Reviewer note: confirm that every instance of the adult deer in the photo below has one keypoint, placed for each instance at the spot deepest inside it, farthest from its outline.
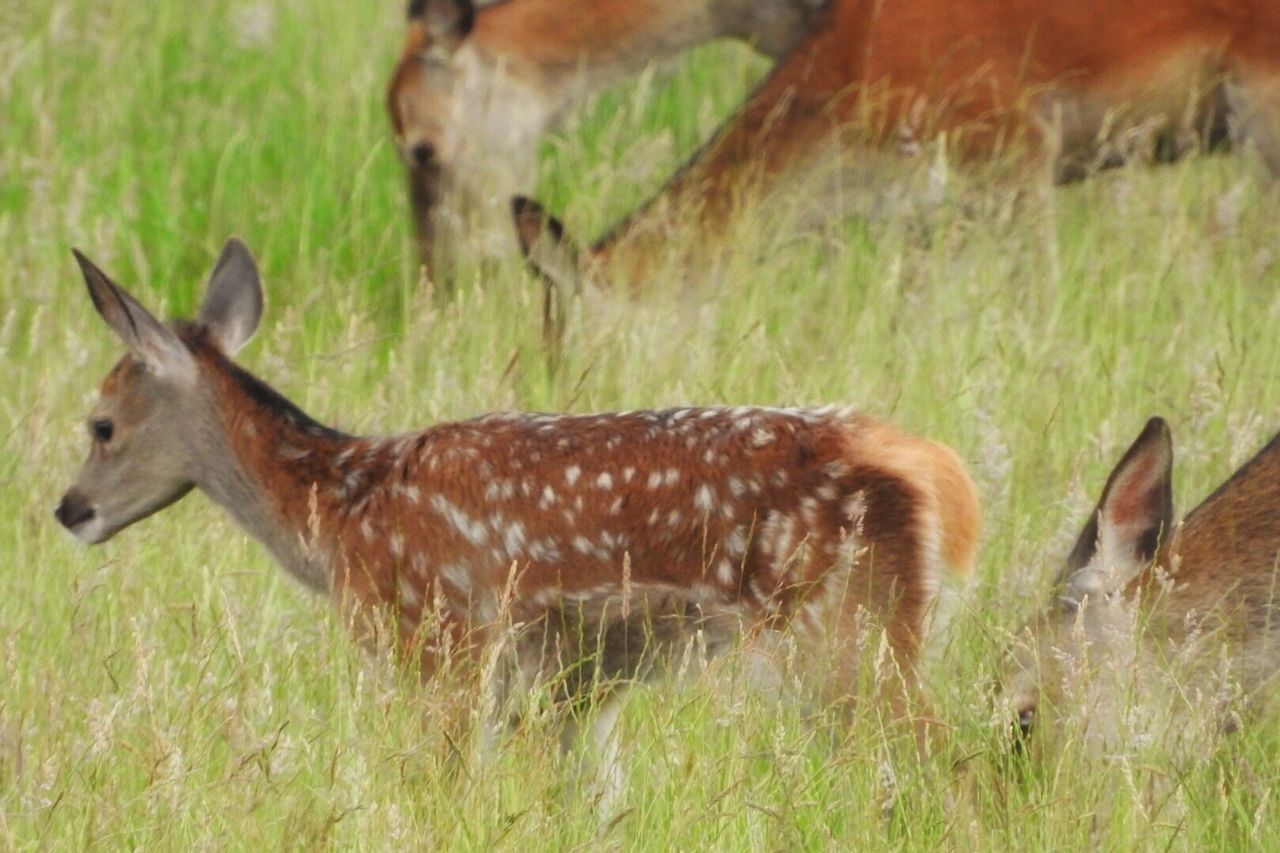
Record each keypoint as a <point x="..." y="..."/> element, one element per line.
<point x="1052" y="84"/>
<point x="475" y="89"/>
<point x="634" y="531"/>
<point x="1140" y="599"/>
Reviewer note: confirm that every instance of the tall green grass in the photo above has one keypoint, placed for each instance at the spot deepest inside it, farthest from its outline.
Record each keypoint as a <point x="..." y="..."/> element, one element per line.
<point x="172" y="689"/>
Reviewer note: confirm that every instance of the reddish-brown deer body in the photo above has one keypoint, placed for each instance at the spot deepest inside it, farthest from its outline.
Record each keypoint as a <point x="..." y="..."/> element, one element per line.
<point x="1141" y="601"/>
<point x="475" y="89"/>
<point x="1078" y="86"/>
<point x="763" y="519"/>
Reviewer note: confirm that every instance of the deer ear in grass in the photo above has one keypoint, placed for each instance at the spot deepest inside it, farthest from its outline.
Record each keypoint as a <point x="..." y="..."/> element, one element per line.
<point x="1125" y="529"/>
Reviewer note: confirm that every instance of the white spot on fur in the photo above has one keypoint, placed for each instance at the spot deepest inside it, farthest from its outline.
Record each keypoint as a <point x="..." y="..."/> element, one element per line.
<point x="672" y="476"/>
<point x="548" y="498"/>
<point x="571" y="474"/>
<point x="604" y="481"/>
<point x="456" y="576"/>
<point x="705" y="498"/>
<point x="655" y="480"/>
<point x="809" y="509"/>
<point x="366" y="529"/>
<point x="855" y="508"/>
<point x="397" y="545"/>
<point x="408" y="592"/>
<point x="724" y="572"/>
<point x="613" y="541"/>
<point x="544" y="550"/>
<point x="628" y="473"/>
<point x="513" y="539"/>
<point x="761" y="437"/>
<point x="473" y="530"/>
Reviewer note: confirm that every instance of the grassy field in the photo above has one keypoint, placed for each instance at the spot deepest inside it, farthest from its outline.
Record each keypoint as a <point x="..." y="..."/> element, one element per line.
<point x="173" y="690"/>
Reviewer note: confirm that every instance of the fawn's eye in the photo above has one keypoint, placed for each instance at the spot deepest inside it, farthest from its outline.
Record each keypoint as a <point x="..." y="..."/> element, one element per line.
<point x="102" y="429"/>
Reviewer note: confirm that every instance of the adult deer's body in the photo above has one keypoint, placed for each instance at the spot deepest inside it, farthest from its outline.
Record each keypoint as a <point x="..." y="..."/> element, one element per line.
<point x="1073" y="86"/>
<point x="475" y="89"/>
<point x="630" y="527"/>
<point x="1140" y="601"/>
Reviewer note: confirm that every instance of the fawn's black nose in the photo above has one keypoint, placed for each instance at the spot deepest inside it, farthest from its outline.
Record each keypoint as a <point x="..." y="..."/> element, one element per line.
<point x="423" y="154"/>
<point x="73" y="510"/>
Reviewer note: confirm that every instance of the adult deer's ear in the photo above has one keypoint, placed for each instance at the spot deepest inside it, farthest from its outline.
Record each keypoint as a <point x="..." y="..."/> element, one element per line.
<point x="232" y="305"/>
<point x="147" y="338"/>
<point x="1125" y="529"/>
<point x="550" y="252"/>
<point x="553" y="257"/>
<point x="446" y="22"/>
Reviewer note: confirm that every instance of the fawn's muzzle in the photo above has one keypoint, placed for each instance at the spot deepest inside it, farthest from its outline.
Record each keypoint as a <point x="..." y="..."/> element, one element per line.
<point x="74" y="510"/>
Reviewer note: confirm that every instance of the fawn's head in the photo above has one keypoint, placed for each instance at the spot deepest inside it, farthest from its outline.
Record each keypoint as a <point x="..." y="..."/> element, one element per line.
<point x="153" y="418"/>
<point x="1085" y="621"/>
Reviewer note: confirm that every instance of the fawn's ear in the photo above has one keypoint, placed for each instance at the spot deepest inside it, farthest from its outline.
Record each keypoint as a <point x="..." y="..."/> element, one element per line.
<point x="147" y="338"/>
<point x="447" y="22"/>
<point x="549" y="251"/>
<point x="232" y="305"/>
<point x="1134" y="513"/>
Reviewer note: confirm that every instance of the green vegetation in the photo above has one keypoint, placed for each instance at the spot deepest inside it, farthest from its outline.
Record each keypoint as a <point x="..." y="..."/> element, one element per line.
<point x="173" y="690"/>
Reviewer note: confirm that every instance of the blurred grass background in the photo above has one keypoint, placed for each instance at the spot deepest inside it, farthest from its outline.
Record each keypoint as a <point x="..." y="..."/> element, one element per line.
<point x="173" y="690"/>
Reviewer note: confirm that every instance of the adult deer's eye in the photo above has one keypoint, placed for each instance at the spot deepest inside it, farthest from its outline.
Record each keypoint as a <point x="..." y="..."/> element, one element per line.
<point x="102" y="430"/>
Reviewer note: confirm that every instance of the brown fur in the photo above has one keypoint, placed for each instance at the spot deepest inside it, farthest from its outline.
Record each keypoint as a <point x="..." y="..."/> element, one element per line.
<point x="1065" y="82"/>
<point x="1223" y="557"/>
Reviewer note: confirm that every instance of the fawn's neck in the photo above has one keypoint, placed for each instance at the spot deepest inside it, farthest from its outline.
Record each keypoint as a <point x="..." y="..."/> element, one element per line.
<point x="288" y="480"/>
